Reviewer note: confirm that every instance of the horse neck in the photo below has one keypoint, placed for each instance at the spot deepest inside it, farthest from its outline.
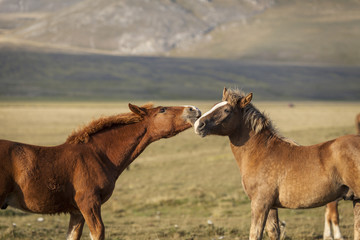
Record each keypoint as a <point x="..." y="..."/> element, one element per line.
<point x="246" y="143"/>
<point x="122" y="144"/>
<point x="241" y="135"/>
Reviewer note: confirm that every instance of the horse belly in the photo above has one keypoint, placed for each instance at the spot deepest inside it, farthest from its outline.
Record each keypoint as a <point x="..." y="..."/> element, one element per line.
<point x="309" y="196"/>
<point x="45" y="202"/>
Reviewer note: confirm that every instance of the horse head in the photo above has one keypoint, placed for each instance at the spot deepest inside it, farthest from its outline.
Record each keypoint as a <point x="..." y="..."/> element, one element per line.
<point x="224" y="117"/>
<point x="164" y="122"/>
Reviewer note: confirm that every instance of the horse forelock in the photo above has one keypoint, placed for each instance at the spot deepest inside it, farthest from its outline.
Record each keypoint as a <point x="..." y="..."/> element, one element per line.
<point x="83" y="134"/>
<point x="232" y="96"/>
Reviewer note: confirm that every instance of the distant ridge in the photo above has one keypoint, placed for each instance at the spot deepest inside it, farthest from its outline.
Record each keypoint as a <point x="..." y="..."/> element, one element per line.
<point x="295" y="32"/>
<point x="43" y="76"/>
<point x="129" y="27"/>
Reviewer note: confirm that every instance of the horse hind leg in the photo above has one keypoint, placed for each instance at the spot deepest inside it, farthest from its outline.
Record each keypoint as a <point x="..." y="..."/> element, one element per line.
<point x="356" y="206"/>
<point x="335" y="225"/>
<point x="327" y="227"/>
<point x="331" y="228"/>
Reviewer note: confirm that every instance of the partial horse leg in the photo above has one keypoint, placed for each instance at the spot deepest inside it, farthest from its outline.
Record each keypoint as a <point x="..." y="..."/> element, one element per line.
<point x="90" y="207"/>
<point x="259" y="213"/>
<point x="332" y="221"/>
<point x="272" y="225"/>
<point x="4" y="190"/>
<point x="327" y="227"/>
<point x="356" y="205"/>
<point x="76" y="225"/>
<point x="335" y="220"/>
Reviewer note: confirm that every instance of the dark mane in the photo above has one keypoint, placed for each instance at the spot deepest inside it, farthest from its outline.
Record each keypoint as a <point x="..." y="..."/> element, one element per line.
<point x="257" y="120"/>
<point x="83" y="134"/>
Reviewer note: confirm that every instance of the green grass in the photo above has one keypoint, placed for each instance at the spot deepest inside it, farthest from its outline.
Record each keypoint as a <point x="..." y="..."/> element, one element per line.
<point x="65" y="77"/>
<point x="177" y="184"/>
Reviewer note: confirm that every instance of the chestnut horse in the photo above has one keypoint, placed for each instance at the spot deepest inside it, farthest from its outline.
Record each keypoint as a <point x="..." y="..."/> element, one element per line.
<point x="78" y="176"/>
<point x="276" y="172"/>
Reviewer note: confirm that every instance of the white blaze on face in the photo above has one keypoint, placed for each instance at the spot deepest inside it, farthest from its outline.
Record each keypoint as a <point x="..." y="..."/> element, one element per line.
<point x="207" y="113"/>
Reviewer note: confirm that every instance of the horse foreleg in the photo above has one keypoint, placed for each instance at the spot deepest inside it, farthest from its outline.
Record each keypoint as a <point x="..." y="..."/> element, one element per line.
<point x="90" y="208"/>
<point x="272" y="225"/>
<point x="259" y="213"/>
<point x="5" y="187"/>
<point x="76" y="225"/>
<point x="356" y="205"/>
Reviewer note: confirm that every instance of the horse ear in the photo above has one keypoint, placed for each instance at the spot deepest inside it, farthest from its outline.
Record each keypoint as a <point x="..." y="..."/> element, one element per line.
<point x="224" y="93"/>
<point x="246" y="100"/>
<point x="137" y="110"/>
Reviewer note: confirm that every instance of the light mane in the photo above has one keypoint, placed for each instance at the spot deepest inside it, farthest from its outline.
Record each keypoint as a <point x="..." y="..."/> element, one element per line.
<point x="257" y="120"/>
<point x="83" y="134"/>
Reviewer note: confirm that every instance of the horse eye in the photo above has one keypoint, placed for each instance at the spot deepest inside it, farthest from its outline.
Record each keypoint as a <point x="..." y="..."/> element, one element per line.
<point x="226" y="110"/>
<point x="162" y="110"/>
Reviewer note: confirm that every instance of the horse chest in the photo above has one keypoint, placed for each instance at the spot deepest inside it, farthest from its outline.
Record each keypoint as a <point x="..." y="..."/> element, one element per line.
<point x="250" y="186"/>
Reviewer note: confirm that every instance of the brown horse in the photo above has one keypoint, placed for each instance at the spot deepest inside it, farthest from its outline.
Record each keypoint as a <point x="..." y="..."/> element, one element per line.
<point x="78" y="176"/>
<point x="276" y="172"/>
<point x="357" y="123"/>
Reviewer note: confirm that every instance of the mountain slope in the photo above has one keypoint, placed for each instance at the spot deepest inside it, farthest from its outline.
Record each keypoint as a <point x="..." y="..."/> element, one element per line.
<point x="136" y="26"/>
<point x="296" y="31"/>
<point x="321" y="32"/>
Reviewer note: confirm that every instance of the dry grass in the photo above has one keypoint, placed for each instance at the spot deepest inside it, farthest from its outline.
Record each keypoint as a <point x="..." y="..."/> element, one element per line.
<point x="302" y="32"/>
<point x="177" y="184"/>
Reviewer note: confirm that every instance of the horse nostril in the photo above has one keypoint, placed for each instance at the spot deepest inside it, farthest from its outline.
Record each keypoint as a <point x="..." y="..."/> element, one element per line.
<point x="201" y="125"/>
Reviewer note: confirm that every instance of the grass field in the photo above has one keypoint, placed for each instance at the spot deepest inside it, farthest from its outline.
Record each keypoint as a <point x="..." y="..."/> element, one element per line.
<point x="177" y="184"/>
<point x="41" y="76"/>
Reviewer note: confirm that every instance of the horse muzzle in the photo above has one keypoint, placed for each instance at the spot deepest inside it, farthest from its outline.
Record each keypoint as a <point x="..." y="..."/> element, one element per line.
<point x="192" y="114"/>
<point x="200" y="127"/>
